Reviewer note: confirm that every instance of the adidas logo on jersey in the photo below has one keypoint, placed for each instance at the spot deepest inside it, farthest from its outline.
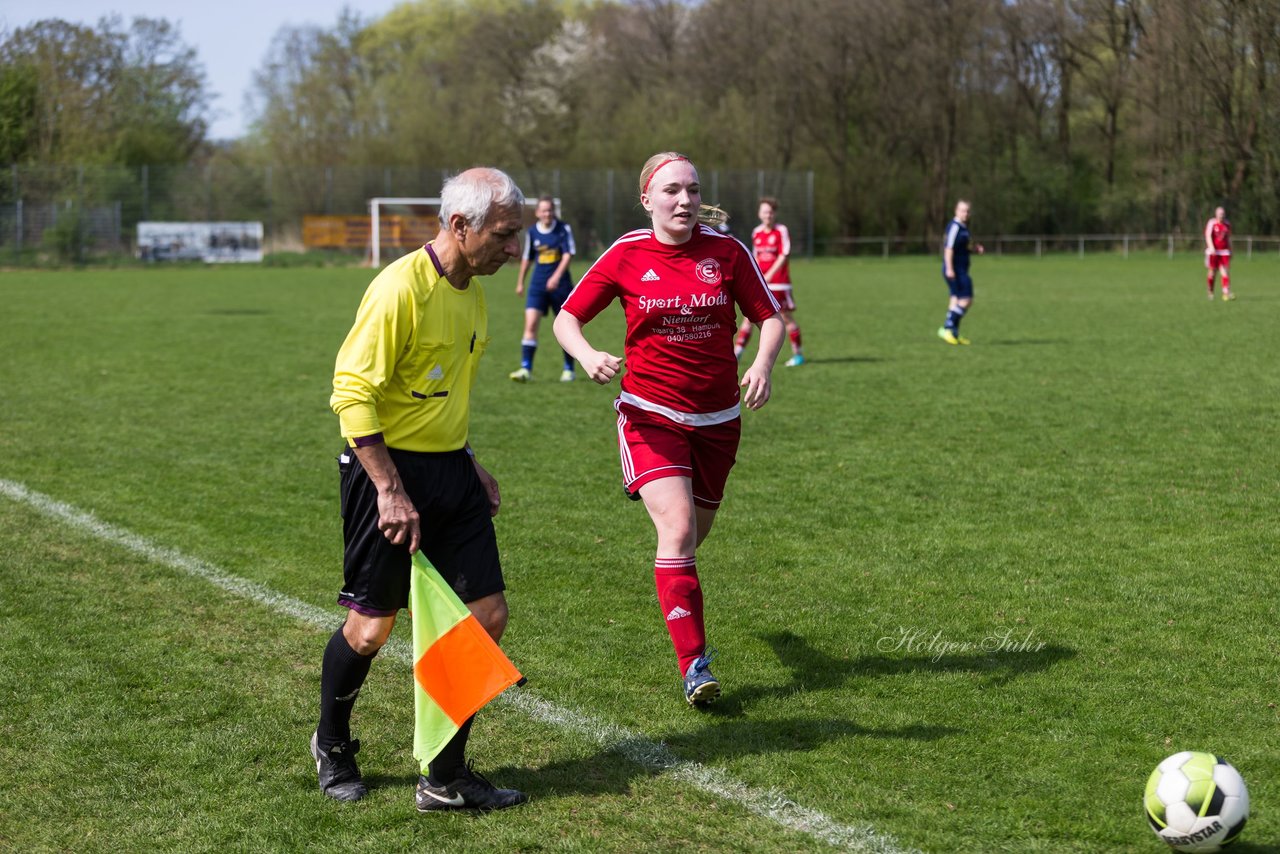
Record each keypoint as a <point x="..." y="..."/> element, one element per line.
<point x="649" y="276"/>
<point x="677" y="612"/>
<point x="436" y="373"/>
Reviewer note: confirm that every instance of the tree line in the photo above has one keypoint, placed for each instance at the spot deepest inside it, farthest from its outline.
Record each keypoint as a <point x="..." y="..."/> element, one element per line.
<point x="1052" y="116"/>
<point x="107" y="94"/>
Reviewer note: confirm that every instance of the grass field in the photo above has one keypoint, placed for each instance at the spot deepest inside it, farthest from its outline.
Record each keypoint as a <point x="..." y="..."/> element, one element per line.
<point x="968" y="597"/>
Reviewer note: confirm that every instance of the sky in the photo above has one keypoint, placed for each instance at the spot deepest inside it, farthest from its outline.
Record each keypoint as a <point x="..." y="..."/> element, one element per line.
<point x="231" y="37"/>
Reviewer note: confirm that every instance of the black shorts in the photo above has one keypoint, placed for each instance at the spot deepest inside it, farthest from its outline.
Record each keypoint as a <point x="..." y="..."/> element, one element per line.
<point x="453" y="515"/>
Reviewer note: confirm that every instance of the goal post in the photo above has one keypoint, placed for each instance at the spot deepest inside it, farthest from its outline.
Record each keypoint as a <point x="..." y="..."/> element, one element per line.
<point x="388" y="216"/>
<point x="402" y="223"/>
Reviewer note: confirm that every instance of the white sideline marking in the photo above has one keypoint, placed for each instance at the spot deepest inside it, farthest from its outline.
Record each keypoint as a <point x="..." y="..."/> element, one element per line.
<point x="648" y="754"/>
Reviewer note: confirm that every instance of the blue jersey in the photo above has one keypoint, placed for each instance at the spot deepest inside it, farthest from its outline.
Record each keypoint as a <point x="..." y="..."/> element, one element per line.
<point x="545" y="249"/>
<point x="957" y="240"/>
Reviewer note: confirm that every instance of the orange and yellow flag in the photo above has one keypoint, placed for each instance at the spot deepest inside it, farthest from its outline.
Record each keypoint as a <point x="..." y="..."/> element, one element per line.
<point x="457" y="668"/>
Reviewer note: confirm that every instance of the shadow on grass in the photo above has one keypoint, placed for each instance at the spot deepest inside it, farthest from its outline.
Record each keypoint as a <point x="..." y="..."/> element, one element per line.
<point x="604" y="773"/>
<point x="730" y="734"/>
<point x="814" y="670"/>
<point x="733" y="739"/>
<point x="614" y="769"/>
<point x="387" y="781"/>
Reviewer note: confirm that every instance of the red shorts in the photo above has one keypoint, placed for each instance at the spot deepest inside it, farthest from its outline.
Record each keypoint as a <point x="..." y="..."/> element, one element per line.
<point x="1215" y="261"/>
<point x="653" y="447"/>
<point x="783" y="296"/>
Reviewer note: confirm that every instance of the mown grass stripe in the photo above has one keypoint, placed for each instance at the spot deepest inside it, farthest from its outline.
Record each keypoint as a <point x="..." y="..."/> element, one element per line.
<point x="648" y="754"/>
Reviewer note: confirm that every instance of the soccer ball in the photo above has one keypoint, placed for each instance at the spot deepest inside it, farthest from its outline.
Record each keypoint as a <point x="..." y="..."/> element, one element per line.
<point x="1196" y="801"/>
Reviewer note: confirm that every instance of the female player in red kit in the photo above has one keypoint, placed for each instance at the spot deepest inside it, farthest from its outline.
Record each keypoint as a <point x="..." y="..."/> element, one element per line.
<point x="1217" y="251"/>
<point x="771" y="243"/>
<point x="678" y="410"/>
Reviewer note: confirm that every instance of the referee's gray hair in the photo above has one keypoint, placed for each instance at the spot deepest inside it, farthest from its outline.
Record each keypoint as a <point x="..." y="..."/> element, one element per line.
<point x="476" y="193"/>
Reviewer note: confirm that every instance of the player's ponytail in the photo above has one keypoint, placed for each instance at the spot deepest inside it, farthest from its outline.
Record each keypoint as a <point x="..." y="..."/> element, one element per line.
<point x="712" y="215"/>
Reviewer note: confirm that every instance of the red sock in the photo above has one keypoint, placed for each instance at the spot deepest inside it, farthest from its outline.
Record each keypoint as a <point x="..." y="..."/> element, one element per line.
<point x="1226" y="283"/>
<point x="1211" y="283"/>
<point x="680" y="597"/>
<point x="743" y="336"/>
<point x="795" y="338"/>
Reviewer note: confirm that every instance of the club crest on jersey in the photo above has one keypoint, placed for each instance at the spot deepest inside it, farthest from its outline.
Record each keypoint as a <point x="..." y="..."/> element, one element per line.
<point x="708" y="271"/>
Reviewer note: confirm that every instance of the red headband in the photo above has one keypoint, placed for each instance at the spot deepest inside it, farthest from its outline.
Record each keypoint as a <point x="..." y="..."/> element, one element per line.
<point x="660" y="165"/>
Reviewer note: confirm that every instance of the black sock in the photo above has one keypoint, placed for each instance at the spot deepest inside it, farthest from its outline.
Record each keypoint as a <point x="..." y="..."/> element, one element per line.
<point x="450" y="761"/>
<point x="342" y="673"/>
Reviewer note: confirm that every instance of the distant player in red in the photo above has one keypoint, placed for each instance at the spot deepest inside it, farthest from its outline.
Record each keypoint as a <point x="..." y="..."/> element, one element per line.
<point x="771" y="244"/>
<point x="678" y="412"/>
<point x="1217" y="251"/>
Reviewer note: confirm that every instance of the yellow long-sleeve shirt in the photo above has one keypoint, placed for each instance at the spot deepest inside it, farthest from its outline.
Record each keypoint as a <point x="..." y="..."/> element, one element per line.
<point x="409" y="362"/>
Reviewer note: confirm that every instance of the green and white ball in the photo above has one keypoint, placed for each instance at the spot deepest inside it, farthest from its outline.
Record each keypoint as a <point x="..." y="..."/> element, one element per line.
<point x="1196" y="801"/>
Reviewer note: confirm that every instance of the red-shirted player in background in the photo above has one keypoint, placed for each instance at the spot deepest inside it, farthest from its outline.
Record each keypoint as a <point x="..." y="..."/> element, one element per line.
<point x="1217" y="251"/>
<point x="771" y="243"/>
<point x="678" y="411"/>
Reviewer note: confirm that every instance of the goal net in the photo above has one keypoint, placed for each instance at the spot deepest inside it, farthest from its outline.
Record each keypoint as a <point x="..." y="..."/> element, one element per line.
<point x="399" y="225"/>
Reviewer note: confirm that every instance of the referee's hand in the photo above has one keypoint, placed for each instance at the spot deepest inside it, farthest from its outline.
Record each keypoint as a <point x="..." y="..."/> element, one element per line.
<point x="490" y="484"/>
<point x="397" y="519"/>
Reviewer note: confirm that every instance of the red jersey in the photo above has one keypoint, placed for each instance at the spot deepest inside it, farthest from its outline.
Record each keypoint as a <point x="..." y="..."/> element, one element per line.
<point x="679" y="305"/>
<point x="1218" y="235"/>
<point x="768" y="245"/>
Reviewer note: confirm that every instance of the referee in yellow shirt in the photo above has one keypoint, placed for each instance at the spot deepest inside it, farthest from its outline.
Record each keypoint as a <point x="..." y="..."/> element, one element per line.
<point x="402" y="392"/>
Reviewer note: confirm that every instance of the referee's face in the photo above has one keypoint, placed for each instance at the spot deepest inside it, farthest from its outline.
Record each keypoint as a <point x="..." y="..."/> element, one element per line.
<point x="488" y="248"/>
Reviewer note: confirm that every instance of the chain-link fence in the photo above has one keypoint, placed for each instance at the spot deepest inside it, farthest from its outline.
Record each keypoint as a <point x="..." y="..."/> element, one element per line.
<point x="65" y="229"/>
<point x="1244" y="246"/>
<point x="82" y="212"/>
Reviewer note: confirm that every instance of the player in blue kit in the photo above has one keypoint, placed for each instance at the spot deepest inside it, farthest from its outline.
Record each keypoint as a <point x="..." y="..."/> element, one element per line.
<point x="955" y="269"/>
<point x="548" y="247"/>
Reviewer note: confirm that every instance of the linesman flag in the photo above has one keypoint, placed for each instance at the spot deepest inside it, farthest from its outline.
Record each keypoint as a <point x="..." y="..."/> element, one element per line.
<point x="457" y="668"/>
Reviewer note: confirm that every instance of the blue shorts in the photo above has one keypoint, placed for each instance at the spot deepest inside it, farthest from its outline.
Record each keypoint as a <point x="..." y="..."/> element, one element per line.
<point x="542" y="300"/>
<point x="961" y="286"/>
